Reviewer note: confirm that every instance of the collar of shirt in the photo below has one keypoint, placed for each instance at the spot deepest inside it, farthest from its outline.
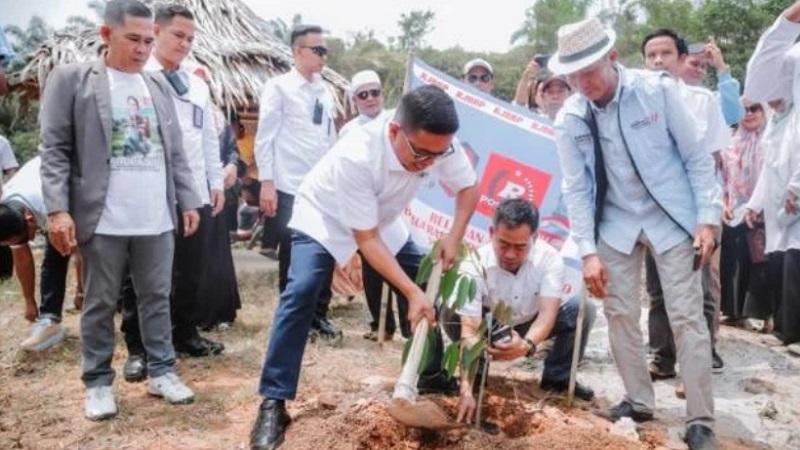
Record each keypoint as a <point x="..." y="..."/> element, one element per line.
<point x="315" y="84"/>
<point x="621" y="81"/>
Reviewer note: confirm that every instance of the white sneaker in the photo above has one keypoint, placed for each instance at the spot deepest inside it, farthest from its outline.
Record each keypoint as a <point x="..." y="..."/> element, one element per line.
<point x="46" y="333"/>
<point x="100" y="403"/>
<point x="171" y="388"/>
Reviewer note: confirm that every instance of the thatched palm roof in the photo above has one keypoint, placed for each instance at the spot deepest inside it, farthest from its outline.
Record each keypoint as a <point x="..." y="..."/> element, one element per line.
<point x="232" y="42"/>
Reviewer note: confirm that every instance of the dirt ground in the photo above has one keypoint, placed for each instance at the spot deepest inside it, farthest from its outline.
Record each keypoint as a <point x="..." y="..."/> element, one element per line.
<point x="344" y="391"/>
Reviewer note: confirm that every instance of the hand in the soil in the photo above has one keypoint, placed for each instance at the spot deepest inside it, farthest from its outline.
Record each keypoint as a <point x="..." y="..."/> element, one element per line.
<point x="466" y="408"/>
<point x="595" y="276"/>
<point x="31" y="312"/>
<point x="509" y="351"/>
<point x="419" y="307"/>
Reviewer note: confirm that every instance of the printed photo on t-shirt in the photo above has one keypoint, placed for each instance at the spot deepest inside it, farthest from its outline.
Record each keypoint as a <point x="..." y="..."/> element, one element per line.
<point x="136" y="143"/>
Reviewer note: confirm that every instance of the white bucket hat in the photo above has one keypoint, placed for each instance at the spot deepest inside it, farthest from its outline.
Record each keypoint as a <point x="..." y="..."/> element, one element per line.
<point x="581" y="44"/>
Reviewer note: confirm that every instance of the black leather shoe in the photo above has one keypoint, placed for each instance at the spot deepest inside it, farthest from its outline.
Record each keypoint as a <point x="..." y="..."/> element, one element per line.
<point x="581" y="391"/>
<point x="270" y="426"/>
<point x="717" y="365"/>
<point x="135" y="368"/>
<point x="438" y="384"/>
<point x="625" y="409"/>
<point x="197" y="346"/>
<point x="214" y="347"/>
<point x="322" y="328"/>
<point x="700" y="437"/>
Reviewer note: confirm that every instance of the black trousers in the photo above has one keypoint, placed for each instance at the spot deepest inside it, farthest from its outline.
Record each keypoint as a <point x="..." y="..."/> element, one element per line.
<point x="409" y="258"/>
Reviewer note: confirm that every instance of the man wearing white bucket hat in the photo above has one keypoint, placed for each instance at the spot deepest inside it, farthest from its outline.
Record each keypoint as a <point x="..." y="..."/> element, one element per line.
<point x="637" y="176"/>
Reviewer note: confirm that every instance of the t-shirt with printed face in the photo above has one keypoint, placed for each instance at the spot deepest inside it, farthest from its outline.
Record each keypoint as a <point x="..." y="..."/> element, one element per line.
<point x="136" y="200"/>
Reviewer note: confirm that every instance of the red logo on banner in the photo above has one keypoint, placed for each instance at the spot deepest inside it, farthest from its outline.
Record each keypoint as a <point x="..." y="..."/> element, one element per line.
<point x="506" y="178"/>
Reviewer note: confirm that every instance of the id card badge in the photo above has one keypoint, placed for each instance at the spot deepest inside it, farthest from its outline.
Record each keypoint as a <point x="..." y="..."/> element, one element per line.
<point x="198" y="116"/>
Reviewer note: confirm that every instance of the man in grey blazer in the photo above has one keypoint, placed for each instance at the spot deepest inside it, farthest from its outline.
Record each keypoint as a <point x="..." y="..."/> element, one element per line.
<point x="113" y="171"/>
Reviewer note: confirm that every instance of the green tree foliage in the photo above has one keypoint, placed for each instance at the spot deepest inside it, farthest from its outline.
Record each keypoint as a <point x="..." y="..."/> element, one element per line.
<point x="414" y="26"/>
<point x="543" y="19"/>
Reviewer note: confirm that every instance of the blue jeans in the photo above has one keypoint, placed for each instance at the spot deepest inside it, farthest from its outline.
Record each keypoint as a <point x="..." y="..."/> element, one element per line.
<point x="310" y="271"/>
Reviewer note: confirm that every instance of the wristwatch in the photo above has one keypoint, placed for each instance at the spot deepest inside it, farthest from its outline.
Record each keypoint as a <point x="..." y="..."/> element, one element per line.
<point x="531" y="348"/>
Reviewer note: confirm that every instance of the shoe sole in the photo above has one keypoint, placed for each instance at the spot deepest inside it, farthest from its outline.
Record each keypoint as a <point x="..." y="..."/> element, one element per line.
<point x="47" y="343"/>
<point x="186" y="401"/>
<point x="717" y="370"/>
<point x="102" y="417"/>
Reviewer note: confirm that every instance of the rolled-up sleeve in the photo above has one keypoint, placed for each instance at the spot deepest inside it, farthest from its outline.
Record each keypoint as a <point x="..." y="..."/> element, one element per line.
<point x="455" y="170"/>
<point x="269" y="124"/>
<point x="577" y="186"/>
<point x="698" y="162"/>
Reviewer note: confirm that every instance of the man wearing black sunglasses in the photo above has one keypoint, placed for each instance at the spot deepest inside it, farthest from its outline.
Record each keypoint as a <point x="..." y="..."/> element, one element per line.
<point x="353" y="201"/>
<point x="295" y="129"/>
<point x="367" y="93"/>
<point x="479" y="74"/>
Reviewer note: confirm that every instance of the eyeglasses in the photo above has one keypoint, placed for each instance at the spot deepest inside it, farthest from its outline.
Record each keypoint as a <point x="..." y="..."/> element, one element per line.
<point x="425" y="155"/>
<point x="319" y="50"/>
<point x="472" y="78"/>
<point x="752" y="109"/>
<point x="363" y="95"/>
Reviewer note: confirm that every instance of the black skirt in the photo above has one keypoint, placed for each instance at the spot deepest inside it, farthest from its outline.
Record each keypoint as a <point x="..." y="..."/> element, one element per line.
<point x="746" y="288"/>
<point x="787" y="305"/>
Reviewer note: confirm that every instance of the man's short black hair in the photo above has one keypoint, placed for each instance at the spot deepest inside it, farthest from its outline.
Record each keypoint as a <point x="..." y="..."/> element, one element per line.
<point x="302" y="30"/>
<point x="165" y="13"/>
<point x="427" y="108"/>
<point x="12" y="223"/>
<point x="515" y="212"/>
<point x="116" y="10"/>
<point x="680" y="43"/>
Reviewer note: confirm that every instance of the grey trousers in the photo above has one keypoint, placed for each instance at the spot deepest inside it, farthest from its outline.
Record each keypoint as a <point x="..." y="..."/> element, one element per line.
<point x="662" y="342"/>
<point x="104" y="261"/>
<point x="684" y="304"/>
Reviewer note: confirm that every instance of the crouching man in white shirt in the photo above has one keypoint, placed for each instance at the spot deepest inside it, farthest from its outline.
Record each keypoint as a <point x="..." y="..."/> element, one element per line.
<point x="527" y="274"/>
<point x="352" y="200"/>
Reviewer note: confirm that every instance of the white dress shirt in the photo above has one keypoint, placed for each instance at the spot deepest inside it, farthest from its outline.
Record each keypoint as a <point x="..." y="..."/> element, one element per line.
<point x="200" y="138"/>
<point x="709" y="120"/>
<point x="541" y="275"/>
<point x="361" y="119"/>
<point x="288" y="142"/>
<point x="773" y="72"/>
<point x="360" y="185"/>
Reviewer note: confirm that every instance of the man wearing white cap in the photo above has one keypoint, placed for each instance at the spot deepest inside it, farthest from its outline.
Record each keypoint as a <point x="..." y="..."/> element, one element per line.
<point x="368" y="98"/>
<point x="636" y="177"/>
<point x="479" y="73"/>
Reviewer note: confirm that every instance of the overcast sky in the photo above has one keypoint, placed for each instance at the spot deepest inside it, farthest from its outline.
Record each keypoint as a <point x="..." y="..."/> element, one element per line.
<point x="483" y="26"/>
